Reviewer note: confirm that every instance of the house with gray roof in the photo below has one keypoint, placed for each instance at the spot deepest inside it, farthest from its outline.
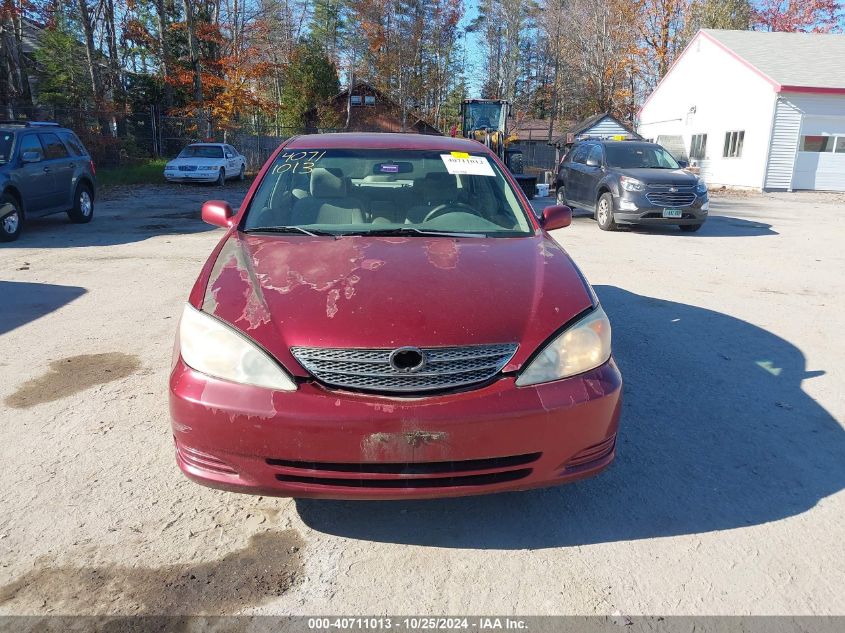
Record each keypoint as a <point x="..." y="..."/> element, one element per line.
<point x="755" y="110"/>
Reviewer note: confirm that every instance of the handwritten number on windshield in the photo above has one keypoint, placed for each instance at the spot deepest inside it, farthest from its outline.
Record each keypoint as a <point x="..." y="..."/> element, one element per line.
<point x="298" y="162"/>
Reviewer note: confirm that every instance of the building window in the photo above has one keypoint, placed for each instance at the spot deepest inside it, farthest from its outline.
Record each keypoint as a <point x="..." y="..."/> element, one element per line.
<point x="355" y="100"/>
<point x="369" y="100"/>
<point x="817" y="143"/>
<point x="698" y="146"/>
<point x="733" y="144"/>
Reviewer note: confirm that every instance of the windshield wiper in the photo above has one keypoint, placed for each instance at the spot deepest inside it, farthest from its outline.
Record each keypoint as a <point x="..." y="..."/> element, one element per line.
<point x="289" y="229"/>
<point x="414" y="231"/>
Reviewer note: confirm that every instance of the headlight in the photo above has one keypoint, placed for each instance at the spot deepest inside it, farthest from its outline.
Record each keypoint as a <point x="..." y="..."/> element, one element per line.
<point x="701" y="188"/>
<point x="632" y="184"/>
<point x="583" y="346"/>
<point x="218" y="350"/>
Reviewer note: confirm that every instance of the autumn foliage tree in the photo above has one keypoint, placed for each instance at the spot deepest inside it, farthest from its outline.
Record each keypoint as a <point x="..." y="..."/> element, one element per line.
<point x="821" y="16"/>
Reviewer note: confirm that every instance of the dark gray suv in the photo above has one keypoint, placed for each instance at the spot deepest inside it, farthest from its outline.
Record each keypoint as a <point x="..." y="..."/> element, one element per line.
<point x="631" y="182"/>
<point x="44" y="169"/>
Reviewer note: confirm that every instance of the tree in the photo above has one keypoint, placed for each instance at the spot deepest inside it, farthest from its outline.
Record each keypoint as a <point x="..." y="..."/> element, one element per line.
<point x="64" y="78"/>
<point x="309" y="79"/>
<point x="720" y="14"/>
<point x="661" y="24"/>
<point x="820" y="16"/>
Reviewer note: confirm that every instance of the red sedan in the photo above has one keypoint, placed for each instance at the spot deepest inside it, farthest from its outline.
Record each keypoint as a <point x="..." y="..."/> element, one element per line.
<point x="386" y="318"/>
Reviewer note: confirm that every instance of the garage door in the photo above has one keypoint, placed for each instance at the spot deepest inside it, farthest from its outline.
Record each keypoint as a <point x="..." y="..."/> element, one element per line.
<point x="820" y="161"/>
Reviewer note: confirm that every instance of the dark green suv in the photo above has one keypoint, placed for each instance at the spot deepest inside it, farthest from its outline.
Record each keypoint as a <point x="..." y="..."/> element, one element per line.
<point x="44" y="169"/>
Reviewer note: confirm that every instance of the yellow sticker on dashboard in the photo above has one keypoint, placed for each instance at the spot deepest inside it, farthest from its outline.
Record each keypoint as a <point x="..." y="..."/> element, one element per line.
<point x="460" y="154"/>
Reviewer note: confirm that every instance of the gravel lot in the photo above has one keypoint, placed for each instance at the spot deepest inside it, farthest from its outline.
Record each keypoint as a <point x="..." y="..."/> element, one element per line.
<point x="726" y="497"/>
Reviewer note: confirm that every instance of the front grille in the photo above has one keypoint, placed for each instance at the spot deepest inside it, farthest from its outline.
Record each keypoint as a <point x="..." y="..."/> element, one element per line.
<point x="187" y="167"/>
<point x="370" y="369"/>
<point x="407" y="475"/>
<point x="661" y="196"/>
<point x="415" y="468"/>
<point x="441" y="482"/>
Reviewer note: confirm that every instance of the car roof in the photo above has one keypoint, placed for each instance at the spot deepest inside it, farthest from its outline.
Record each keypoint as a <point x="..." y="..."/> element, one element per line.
<point x="207" y="144"/>
<point x="16" y="127"/>
<point x="629" y="143"/>
<point x="383" y="140"/>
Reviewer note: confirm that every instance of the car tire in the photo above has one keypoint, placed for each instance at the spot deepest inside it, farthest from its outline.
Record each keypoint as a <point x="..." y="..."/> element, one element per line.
<point x="690" y="228"/>
<point x="604" y="213"/>
<point x="221" y="178"/>
<point x="83" y="205"/>
<point x="560" y="196"/>
<point x="11" y="218"/>
<point x="242" y="174"/>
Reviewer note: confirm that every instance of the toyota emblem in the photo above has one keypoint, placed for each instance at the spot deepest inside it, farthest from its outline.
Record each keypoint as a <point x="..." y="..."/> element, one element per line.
<point x="407" y="360"/>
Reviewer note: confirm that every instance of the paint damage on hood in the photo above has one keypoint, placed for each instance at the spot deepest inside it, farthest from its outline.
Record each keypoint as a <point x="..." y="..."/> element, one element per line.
<point x="384" y="292"/>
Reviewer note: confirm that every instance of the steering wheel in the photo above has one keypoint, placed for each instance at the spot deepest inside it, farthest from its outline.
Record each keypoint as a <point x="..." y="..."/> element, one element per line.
<point x="446" y="207"/>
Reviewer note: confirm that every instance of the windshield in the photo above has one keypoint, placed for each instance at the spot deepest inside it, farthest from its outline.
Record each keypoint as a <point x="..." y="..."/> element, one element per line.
<point x="7" y="146"/>
<point x="411" y="192"/>
<point x="639" y="156"/>
<point x="482" y="115"/>
<point x="201" y="151"/>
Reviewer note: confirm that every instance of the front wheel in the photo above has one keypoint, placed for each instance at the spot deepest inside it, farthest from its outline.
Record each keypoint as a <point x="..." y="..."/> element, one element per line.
<point x="604" y="213"/>
<point x="242" y="174"/>
<point x="11" y="218"/>
<point x="221" y="178"/>
<point x="560" y="196"/>
<point x="83" y="205"/>
<point x="690" y="228"/>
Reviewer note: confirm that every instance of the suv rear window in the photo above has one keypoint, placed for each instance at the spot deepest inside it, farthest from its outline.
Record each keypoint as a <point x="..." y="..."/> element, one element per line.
<point x="74" y="144"/>
<point x="53" y="146"/>
<point x="7" y="146"/>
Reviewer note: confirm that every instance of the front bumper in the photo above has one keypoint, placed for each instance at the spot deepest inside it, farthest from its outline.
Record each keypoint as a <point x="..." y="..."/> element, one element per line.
<point x="191" y="176"/>
<point x="632" y="207"/>
<point x="317" y="442"/>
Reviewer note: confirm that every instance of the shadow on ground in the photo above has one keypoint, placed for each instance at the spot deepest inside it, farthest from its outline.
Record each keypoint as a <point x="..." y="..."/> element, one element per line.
<point x="22" y="302"/>
<point x="131" y="213"/>
<point x="716" y="434"/>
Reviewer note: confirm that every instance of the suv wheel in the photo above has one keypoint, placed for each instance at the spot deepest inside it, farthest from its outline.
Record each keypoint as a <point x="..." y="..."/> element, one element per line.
<point x="560" y="196"/>
<point x="604" y="213"/>
<point x="11" y="218"/>
<point x="83" y="205"/>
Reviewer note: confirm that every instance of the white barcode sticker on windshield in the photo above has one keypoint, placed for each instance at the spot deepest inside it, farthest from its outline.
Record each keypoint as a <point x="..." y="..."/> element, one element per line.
<point x="460" y="163"/>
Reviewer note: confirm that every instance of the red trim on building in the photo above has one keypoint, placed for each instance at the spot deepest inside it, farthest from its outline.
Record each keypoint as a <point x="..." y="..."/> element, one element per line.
<point x="812" y="89"/>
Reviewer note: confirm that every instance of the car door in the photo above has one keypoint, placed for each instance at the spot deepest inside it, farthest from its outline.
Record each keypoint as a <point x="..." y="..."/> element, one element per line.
<point x="61" y="164"/>
<point x="34" y="179"/>
<point x="575" y="174"/>
<point x="233" y="165"/>
<point x="592" y="174"/>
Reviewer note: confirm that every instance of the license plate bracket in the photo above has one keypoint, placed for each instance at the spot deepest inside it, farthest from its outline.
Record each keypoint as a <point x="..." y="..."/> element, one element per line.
<point x="672" y="213"/>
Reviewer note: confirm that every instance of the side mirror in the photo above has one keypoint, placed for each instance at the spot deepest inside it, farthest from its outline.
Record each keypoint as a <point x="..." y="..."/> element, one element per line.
<point x="217" y="213"/>
<point x="556" y="217"/>
<point x="31" y="157"/>
<point x="683" y="164"/>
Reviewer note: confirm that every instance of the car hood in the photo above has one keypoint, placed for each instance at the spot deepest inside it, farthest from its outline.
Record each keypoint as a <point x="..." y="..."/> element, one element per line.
<point x="387" y="292"/>
<point x="661" y="176"/>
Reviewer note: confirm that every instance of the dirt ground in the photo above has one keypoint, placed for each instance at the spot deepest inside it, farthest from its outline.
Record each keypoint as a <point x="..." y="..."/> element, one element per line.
<point x="726" y="496"/>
